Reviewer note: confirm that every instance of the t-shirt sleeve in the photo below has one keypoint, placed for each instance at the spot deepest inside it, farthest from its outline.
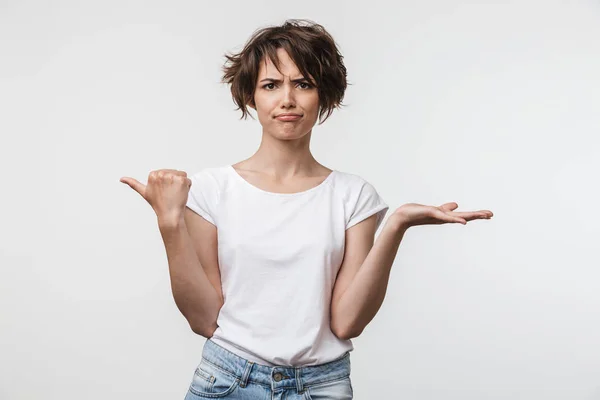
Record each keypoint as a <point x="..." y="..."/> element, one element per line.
<point x="364" y="202"/>
<point x="203" y="196"/>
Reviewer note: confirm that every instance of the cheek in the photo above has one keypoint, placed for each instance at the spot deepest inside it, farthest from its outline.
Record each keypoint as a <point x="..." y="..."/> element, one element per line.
<point x="314" y="108"/>
<point x="265" y="104"/>
<point x="314" y="101"/>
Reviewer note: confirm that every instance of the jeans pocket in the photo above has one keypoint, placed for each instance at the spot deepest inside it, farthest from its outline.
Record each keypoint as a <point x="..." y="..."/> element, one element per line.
<point x="209" y="381"/>
<point x="339" y="389"/>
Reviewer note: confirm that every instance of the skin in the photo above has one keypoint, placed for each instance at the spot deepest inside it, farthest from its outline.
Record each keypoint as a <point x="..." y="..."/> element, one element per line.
<point x="283" y="158"/>
<point x="284" y="163"/>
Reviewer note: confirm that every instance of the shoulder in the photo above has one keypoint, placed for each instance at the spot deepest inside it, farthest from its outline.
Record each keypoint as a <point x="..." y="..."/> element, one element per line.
<point x="210" y="180"/>
<point x="350" y="184"/>
<point x="361" y="199"/>
<point x="212" y="175"/>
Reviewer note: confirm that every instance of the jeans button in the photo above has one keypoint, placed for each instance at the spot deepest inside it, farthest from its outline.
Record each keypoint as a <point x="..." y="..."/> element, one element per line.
<point x="277" y="377"/>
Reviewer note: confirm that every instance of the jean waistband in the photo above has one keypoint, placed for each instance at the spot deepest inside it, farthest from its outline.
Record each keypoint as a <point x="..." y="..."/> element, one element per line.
<point x="277" y="376"/>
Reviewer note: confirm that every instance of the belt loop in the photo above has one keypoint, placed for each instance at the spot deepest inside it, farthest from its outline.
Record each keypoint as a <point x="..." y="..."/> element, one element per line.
<point x="246" y="373"/>
<point x="299" y="385"/>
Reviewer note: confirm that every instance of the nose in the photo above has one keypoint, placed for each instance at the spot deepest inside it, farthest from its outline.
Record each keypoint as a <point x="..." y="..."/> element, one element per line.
<point x="288" y="97"/>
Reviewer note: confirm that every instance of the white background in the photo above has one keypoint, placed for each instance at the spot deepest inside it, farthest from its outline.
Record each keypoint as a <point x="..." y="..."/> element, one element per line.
<point x="493" y="105"/>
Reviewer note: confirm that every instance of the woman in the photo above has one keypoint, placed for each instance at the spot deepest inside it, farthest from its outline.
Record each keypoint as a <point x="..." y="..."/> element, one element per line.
<point x="273" y="258"/>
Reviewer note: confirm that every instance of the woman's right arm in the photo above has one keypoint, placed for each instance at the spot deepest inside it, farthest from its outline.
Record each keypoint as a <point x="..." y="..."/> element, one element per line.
<point x="191" y="245"/>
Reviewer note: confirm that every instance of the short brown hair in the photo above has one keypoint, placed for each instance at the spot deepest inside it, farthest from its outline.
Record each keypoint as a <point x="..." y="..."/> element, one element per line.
<point x="308" y="44"/>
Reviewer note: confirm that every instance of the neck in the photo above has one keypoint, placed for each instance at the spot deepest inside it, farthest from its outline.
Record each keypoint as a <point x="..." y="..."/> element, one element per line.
<point x="284" y="159"/>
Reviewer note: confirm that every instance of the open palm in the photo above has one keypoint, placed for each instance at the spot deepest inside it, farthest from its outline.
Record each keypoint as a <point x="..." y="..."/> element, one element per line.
<point x="414" y="214"/>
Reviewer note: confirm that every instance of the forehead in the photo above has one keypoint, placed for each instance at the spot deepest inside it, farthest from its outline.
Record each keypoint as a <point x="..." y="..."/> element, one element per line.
<point x="286" y="66"/>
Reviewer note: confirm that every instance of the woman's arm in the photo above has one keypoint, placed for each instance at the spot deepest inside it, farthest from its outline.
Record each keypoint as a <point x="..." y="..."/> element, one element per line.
<point x="363" y="277"/>
<point x="362" y="280"/>
<point x="194" y="294"/>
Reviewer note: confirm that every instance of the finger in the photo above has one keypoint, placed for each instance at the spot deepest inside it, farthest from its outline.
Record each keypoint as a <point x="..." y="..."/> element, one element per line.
<point x="467" y="214"/>
<point x="175" y="171"/>
<point x="450" y="217"/>
<point x="470" y="215"/>
<point x="135" y="185"/>
<point x="449" y="206"/>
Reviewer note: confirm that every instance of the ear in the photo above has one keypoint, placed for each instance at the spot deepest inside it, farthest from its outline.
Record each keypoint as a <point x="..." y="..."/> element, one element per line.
<point x="252" y="105"/>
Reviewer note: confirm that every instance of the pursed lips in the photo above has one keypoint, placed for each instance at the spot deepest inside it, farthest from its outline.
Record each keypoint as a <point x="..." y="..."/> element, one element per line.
<point x="288" y="117"/>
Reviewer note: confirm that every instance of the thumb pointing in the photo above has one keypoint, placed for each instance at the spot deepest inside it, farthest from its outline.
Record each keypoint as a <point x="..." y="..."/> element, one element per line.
<point x="134" y="184"/>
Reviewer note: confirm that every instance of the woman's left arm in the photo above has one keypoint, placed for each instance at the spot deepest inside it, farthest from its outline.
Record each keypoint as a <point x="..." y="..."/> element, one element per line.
<point x="363" y="277"/>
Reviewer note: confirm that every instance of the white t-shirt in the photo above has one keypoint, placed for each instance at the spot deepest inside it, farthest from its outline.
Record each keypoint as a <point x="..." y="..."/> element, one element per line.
<point x="279" y="255"/>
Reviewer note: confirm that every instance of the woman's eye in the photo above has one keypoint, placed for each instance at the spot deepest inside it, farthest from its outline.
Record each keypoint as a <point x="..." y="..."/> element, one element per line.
<point x="272" y="85"/>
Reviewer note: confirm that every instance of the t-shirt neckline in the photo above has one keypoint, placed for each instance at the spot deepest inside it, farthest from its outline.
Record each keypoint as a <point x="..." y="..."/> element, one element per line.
<point x="244" y="181"/>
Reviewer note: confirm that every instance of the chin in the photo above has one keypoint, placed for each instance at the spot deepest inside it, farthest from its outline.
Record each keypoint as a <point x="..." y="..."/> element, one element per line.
<point x="283" y="136"/>
<point x="288" y="134"/>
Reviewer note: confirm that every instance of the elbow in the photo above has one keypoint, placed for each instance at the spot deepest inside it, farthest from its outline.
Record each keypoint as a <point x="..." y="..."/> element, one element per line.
<point x="343" y="334"/>
<point x="346" y="335"/>
<point x="203" y="330"/>
<point x="198" y="330"/>
<point x="339" y="330"/>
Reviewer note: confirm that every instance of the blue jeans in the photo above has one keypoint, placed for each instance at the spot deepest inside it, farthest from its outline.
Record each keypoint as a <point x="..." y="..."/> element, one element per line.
<point x="224" y="375"/>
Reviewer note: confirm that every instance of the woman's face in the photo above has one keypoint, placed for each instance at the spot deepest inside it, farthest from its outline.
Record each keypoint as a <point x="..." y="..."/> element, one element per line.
<point x="284" y="92"/>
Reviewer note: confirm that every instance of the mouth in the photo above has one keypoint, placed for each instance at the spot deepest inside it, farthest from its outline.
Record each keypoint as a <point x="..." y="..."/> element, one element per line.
<point x="288" y="117"/>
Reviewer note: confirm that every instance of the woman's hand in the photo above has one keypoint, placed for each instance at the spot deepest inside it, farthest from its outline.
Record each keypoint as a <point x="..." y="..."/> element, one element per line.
<point x="413" y="214"/>
<point x="167" y="192"/>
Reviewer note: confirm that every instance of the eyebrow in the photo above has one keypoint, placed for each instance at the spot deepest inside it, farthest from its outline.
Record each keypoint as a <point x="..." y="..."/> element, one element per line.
<point x="279" y="80"/>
